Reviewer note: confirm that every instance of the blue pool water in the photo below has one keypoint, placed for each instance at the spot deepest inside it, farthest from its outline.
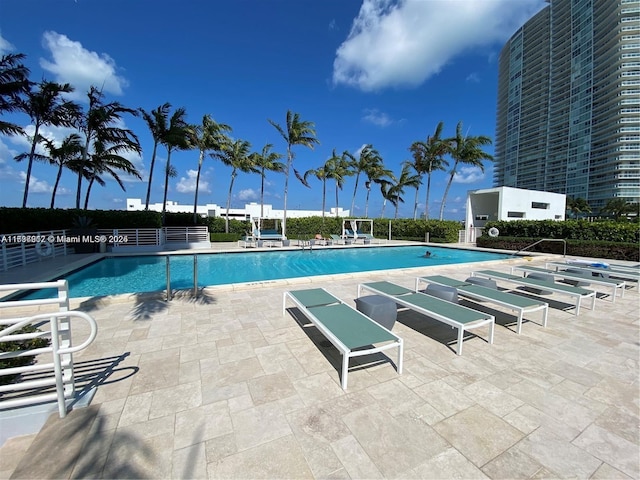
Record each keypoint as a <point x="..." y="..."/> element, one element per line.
<point x="116" y="275"/>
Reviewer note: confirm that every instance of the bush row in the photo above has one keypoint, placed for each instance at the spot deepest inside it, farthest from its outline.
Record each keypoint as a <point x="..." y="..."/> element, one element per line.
<point x="580" y="248"/>
<point x="570" y="229"/>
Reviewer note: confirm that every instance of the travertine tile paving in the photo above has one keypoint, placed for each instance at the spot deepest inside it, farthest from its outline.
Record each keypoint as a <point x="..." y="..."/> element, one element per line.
<point x="225" y="386"/>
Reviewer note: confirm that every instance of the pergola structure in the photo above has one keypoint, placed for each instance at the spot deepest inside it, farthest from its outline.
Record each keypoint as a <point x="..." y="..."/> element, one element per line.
<point x="352" y="228"/>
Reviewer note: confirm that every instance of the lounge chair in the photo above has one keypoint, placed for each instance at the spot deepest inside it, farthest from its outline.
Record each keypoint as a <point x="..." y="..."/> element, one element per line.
<point x="576" y="292"/>
<point x="351" y="332"/>
<point x="605" y="272"/>
<point x="482" y="293"/>
<point x="452" y="314"/>
<point x="338" y="240"/>
<point x="581" y="278"/>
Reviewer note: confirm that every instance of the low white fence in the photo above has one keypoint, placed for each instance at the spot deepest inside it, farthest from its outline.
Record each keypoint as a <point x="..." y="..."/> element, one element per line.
<point x="20" y="249"/>
<point x="155" y="239"/>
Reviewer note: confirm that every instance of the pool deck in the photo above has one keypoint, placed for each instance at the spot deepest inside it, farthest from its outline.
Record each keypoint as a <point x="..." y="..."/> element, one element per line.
<point x="225" y="386"/>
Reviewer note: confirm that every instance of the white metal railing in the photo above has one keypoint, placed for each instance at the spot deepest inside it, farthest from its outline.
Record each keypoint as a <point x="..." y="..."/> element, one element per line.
<point x="186" y="234"/>
<point x="20" y="249"/>
<point x="131" y="237"/>
<point x="59" y="371"/>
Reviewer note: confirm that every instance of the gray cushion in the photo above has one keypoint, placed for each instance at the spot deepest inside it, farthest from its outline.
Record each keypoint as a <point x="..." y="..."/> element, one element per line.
<point x="450" y="294"/>
<point x="540" y="276"/>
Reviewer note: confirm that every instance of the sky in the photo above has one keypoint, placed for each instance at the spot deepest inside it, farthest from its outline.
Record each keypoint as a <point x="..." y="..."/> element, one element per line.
<point x="379" y="72"/>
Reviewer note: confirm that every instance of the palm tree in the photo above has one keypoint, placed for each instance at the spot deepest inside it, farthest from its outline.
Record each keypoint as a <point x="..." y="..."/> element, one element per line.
<point x="207" y="138"/>
<point x="466" y="150"/>
<point x="428" y="157"/>
<point x="105" y="159"/>
<point x="68" y="153"/>
<point x="47" y="107"/>
<point x="321" y="174"/>
<point x="416" y="168"/>
<point x="175" y="137"/>
<point x="297" y="132"/>
<point x="618" y="207"/>
<point x="235" y="154"/>
<point x="156" y="120"/>
<point x="578" y="205"/>
<point x="266" y="161"/>
<point x="378" y="174"/>
<point x="368" y="158"/>
<point x="338" y="168"/>
<point x="396" y="190"/>
<point x="14" y="84"/>
<point x="101" y="127"/>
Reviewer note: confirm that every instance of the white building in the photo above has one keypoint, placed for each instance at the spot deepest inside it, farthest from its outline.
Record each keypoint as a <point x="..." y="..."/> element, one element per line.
<point x="507" y="203"/>
<point x="250" y="210"/>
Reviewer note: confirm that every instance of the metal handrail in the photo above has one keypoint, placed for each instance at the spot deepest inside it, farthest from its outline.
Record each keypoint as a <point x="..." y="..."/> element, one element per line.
<point x="61" y="347"/>
<point x="544" y="240"/>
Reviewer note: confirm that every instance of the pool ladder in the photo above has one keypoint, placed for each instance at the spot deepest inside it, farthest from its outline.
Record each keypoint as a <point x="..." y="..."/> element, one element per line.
<point x="195" y="276"/>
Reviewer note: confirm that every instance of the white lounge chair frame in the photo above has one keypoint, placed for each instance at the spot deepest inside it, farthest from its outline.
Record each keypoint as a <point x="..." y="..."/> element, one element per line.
<point x="539" y="305"/>
<point x="346" y="352"/>
<point x="610" y="272"/>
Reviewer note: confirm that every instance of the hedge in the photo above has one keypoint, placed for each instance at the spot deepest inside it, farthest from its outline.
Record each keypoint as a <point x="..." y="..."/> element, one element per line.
<point x="610" y="231"/>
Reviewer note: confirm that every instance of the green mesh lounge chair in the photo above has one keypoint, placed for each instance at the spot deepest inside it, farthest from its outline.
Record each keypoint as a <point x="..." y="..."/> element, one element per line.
<point x="351" y="332"/>
<point x="576" y="292"/>
<point x="481" y="293"/>
<point x="576" y="276"/>
<point x="454" y="315"/>
<point x="597" y="271"/>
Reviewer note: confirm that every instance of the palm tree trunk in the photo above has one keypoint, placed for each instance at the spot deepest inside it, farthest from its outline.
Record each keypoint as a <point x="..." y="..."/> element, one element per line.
<point x="83" y="162"/>
<point x="286" y="190"/>
<point x="55" y="186"/>
<point x="415" y="205"/>
<point x="153" y="162"/>
<point x="166" y="186"/>
<point x="353" y="201"/>
<point x="426" y="205"/>
<point x="86" y="198"/>
<point x="195" y="200"/>
<point x="324" y="196"/>
<point x="446" y="190"/>
<point x="336" y="199"/>
<point x="366" y="204"/>
<point x="384" y="204"/>
<point x="262" y="193"/>
<point x="30" y="165"/>
<point x="226" y="221"/>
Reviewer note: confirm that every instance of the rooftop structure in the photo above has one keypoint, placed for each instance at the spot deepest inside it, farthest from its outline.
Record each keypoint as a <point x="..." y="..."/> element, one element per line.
<point x="250" y="210"/>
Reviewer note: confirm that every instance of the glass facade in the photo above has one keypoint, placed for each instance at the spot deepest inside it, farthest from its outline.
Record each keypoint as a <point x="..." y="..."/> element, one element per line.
<point x="568" y="110"/>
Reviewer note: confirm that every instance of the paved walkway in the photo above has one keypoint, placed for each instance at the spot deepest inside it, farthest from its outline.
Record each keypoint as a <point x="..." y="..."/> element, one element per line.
<point x="225" y="386"/>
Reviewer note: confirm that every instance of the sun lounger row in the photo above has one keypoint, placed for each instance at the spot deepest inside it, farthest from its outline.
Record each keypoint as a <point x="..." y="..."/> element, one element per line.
<point x="604" y="272"/>
<point x="351" y="332"/>
<point x="483" y="293"/>
<point x="540" y="286"/>
<point x="580" y="279"/>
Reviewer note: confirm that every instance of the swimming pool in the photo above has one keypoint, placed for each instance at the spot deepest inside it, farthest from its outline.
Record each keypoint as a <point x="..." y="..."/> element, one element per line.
<point x="117" y="275"/>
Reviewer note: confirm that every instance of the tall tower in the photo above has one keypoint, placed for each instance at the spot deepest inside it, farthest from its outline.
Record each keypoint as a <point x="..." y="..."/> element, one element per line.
<point x="568" y="110"/>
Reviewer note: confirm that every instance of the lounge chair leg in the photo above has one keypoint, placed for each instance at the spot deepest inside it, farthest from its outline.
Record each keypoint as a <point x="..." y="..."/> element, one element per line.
<point x="400" y="356"/>
<point x="519" y="327"/>
<point x="460" y="337"/>
<point x="492" y="326"/>
<point x="345" y="371"/>
<point x="544" y="316"/>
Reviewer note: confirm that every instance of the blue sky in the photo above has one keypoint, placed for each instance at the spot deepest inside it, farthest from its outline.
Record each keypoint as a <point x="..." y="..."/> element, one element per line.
<point x="378" y="71"/>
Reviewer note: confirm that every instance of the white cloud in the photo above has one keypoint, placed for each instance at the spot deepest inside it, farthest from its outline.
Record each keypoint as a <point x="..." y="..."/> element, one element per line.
<point x="376" y="117"/>
<point x="404" y="42"/>
<point x="473" y="77"/>
<point x="5" y="45"/>
<point x="248" y="194"/>
<point x="188" y="184"/>
<point x="35" y="185"/>
<point x="468" y="175"/>
<point x="80" y="67"/>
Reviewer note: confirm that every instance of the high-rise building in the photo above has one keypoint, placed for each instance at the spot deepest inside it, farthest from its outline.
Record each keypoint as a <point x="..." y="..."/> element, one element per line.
<point x="568" y="110"/>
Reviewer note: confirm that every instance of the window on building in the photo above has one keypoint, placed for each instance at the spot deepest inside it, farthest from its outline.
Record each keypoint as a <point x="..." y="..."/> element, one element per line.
<point x="515" y="214"/>
<point x="540" y="205"/>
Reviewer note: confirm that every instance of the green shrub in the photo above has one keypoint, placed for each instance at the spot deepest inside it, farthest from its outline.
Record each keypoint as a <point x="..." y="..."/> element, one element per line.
<point x="225" y="237"/>
<point x="19" y="345"/>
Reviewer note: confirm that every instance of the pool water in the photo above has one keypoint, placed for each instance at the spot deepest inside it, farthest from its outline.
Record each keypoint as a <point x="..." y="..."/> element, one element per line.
<point x="117" y="275"/>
